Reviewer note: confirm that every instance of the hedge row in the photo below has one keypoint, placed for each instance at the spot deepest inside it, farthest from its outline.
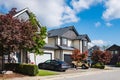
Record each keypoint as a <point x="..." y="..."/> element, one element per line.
<point x="98" y="65"/>
<point x="27" y="69"/>
<point x="118" y="64"/>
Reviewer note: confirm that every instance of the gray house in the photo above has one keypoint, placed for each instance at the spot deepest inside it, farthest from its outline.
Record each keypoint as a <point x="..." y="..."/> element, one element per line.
<point x="115" y="51"/>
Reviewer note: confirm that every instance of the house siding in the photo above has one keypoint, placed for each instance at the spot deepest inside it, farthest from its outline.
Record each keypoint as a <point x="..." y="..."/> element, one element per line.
<point x="70" y="34"/>
<point x="51" y="41"/>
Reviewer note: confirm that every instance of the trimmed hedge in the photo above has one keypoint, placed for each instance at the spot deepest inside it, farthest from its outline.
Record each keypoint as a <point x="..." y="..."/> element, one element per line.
<point x="27" y="69"/>
<point x="118" y="64"/>
<point x="98" y="65"/>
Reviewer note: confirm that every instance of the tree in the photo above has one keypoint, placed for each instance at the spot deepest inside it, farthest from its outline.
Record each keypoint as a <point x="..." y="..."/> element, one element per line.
<point x="78" y="56"/>
<point x="101" y="56"/>
<point x="17" y="34"/>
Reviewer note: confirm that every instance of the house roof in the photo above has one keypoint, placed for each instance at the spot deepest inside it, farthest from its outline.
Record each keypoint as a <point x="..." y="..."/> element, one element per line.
<point x="57" y="47"/>
<point x="50" y="47"/>
<point x="114" y="47"/>
<point x="21" y="11"/>
<point x="66" y="48"/>
<point x="83" y="37"/>
<point x="28" y="12"/>
<point x="94" y="48"/>
<point x="61" y="31"/>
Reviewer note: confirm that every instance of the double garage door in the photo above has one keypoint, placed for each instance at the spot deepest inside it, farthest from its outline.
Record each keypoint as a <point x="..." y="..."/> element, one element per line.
<point x="67" y="58"/>
<point x="40" y="58"/>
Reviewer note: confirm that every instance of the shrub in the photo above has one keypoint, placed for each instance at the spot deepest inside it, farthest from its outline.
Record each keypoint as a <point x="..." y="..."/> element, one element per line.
<point x="98" y="65"/>
<point x="11" y="66"/>
<point x="27" y="69"/>
<point x="118" y="64"/>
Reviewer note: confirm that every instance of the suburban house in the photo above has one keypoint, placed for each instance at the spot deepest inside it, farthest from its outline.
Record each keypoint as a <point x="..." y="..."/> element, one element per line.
<point x="115" y="51"/>
<point x="90" y="51"/>
<point x="17" y="56"/>
<point x="61" y="42"/>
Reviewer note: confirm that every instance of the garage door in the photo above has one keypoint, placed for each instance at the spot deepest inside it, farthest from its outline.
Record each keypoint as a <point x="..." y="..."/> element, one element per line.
<point x="67" y="58"/>
<point x="40" y="58"/>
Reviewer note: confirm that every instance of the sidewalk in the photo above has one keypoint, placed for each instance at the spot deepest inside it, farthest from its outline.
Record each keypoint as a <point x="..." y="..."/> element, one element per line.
<point x="68" y="73"/>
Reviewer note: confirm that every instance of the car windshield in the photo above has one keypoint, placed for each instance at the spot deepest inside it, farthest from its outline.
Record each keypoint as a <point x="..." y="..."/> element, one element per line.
<point x="48" y="61"/>
<point x="62" y="62"/>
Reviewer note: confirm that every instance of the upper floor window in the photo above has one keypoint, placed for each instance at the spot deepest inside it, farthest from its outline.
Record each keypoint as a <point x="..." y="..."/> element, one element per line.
<point x="116" y="52"/>
<point x="85" y="43"/>
<point x="64" y="41"/>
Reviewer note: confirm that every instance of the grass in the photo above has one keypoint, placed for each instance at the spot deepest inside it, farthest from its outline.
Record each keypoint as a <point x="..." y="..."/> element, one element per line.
<point x="46" y="73"/>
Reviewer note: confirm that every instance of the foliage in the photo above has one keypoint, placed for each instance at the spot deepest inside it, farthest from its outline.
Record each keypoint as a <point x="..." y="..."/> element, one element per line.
<point x="27" y="69"/>
<point x="101" y="56"/>
<point x="118" y="64"/>
<point x="40" y="35"/>
<point x="46" y="73"/>
<point x="98" y="65"/>
<point x="78" y="56"/>
<point x="18" y="34"/>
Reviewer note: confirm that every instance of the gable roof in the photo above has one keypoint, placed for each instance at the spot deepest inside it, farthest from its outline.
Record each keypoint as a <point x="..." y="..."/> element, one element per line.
<point x="94" y="48"/>
<point x="28" y="12"/>
<point x="83" y="37"/>
<point x="61" y="31"/>
<point x="114" y="47"/>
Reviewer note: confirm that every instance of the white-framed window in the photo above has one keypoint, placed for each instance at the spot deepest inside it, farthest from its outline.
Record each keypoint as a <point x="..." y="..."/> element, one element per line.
<point x="64" y="41"/>
<point x="85" y="43"/>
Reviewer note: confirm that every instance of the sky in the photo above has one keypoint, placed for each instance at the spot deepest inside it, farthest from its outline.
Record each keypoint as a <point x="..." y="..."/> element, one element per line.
<point x="99" y="19"/>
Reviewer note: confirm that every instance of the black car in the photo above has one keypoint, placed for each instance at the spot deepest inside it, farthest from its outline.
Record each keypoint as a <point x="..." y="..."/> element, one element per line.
<point x="56" y="65"/>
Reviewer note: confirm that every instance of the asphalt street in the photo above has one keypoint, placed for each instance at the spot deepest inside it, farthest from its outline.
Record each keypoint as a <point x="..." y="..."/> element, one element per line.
<point x="91" y="74"/>
<point x="102" y="75"/>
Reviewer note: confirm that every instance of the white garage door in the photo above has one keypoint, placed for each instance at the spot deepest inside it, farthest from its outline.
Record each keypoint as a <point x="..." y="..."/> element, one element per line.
<point x="40" y="58"/>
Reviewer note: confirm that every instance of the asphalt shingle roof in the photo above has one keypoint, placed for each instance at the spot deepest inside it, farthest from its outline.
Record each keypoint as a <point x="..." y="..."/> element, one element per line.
<point x="60" y="31"/>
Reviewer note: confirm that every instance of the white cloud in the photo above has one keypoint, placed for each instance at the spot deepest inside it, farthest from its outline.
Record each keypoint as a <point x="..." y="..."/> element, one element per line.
<point x="108" y="24"/>
<point x="51" y="13"/>
<point x="112" y="10"/>
<point x="97" y="24"/>
<point x="79" y="5"/>
<point x="97" y="42"/>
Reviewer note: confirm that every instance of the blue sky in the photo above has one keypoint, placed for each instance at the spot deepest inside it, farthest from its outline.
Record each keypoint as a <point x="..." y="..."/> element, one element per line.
<point x="99" y="19"/>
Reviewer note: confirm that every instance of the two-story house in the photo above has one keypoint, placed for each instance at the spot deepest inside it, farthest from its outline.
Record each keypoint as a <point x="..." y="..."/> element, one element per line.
<point x="63" y="41"/>
<point x="115" y="51"/>
<point x="24" y="15"/>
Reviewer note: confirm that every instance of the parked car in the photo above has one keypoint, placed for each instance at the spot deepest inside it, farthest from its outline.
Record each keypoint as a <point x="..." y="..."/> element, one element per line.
<point x="57" y="65"/>
<point x="82" y="64"/>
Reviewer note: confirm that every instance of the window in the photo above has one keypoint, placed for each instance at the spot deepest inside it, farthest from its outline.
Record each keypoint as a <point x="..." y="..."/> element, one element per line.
<point x="64" y="41"/>
<point x="85" y="43"/>
<point x="116" y="52"/>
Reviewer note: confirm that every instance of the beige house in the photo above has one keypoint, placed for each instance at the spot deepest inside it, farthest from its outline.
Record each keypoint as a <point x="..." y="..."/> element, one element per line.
<point x="61" y="42"/>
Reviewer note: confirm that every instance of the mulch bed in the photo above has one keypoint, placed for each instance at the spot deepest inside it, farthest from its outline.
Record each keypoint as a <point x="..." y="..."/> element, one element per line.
<point x="13" y="75"/>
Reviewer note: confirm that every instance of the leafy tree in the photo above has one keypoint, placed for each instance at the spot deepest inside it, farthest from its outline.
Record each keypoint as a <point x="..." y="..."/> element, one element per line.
<point x="101" y="56"/>
<point x="40" y="35"/>
<point x="17" y="34"/>
<point x="78" y="56"/>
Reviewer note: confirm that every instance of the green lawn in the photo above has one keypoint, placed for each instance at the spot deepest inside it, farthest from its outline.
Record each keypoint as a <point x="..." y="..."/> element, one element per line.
<point x="46" y="73"/>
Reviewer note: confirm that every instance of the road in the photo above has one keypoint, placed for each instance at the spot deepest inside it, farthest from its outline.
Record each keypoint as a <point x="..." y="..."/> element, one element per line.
<point x="113" y="74"/>
<point x="102" y="75"/>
